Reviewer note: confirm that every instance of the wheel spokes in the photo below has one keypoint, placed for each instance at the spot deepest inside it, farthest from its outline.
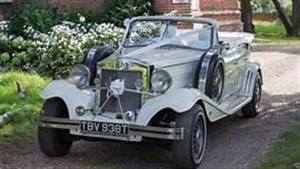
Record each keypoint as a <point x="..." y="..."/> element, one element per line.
<point x="198" y="139"/>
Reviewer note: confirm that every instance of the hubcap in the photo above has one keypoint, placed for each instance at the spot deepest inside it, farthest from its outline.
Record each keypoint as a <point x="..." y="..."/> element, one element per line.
<point x="198" y="139"/>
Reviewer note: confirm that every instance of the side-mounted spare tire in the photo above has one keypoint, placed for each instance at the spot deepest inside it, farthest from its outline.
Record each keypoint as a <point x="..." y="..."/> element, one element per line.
<point x="54" y="142"/>
<point x="95" y="55"/>
<point x="215" y="81"/>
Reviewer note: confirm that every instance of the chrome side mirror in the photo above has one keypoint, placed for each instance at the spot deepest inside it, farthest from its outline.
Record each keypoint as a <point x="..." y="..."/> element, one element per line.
<point x="224" y="46"/>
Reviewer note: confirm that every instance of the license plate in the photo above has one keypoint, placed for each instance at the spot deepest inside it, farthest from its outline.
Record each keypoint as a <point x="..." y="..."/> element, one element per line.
<point x="90" y="127"/>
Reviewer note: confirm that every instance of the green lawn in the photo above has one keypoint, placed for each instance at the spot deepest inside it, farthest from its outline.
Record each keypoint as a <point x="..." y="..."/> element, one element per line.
<point x="273" y="33"/>
<point x="285" y="154"/>
<point x="24" y="110"/>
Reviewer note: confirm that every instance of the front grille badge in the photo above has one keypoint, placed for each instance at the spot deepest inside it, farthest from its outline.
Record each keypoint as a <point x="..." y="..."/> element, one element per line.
<point x="115" y="89"/>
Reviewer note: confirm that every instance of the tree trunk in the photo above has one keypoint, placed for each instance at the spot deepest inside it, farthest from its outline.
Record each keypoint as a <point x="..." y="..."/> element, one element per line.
<point x="246" y="11"/>
<point x="296" y="17"/>
<point x="284" y="18"/>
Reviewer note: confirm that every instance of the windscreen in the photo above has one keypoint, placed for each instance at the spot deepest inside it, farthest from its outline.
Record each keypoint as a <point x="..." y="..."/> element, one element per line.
<point x="175" y="34"/>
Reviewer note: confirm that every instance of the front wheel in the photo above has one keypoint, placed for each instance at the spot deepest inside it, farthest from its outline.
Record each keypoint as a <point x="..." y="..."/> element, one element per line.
<point x="54" y="142"/>
<point x="188" y="153"/>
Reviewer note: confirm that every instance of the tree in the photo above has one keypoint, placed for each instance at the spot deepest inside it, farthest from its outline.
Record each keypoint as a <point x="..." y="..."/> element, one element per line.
<point x="284" y="18"/>
<point x="246" y="14"/>
<point x="296" y="17"/>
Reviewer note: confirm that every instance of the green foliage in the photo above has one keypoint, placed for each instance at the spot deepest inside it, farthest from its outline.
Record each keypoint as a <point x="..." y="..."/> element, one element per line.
<point x="51" y="41"/>
<point x="118" y="10"/>
<point x="37" y="15"/>
<point x="273" y="33"/>
<point x="266" y="29"/>
<point x="91" y="16"/>
<point x="285" y="154"/>
<point x="289" y="10"/>
<point x="265" y="6"/>
<point x="42" y="18"/>
<point x="15" y="51"/>
<point x="24" y="110"/>
<point x="56" y="52"/>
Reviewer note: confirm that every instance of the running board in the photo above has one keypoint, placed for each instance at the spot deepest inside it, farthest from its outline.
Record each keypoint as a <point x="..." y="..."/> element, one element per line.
<point x="227" y="108"/>
<point x="236" y="104"/>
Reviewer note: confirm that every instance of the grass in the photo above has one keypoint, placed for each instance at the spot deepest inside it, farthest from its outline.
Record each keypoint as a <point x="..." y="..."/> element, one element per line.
<point x="285" y="154"/>
<point x="24" y="110"/>
<point x="273" y="34"/>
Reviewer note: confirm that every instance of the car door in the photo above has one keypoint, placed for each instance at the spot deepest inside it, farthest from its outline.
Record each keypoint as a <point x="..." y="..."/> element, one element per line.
<point x="242" y="53"/>
<point x="234" y="65"/>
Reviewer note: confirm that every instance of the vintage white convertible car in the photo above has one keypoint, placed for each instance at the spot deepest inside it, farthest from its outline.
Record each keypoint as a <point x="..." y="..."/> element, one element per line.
<point x="169" y="77"/>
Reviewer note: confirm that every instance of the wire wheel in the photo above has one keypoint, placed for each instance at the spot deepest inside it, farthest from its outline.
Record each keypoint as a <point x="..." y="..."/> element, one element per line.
<point x="198" y="139"/>
<point x="188" y="153"/>
<point x="257" y="94"/>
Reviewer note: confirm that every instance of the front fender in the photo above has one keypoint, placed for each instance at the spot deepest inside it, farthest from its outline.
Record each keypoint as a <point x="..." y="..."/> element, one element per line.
<point x="178" y="100"/>
<point x="70" y="94"/>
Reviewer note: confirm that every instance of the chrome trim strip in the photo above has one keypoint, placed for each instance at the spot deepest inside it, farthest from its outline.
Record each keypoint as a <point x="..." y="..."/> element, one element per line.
<point x="58" y="126"/>
<point x="133" y="130"/>
<point x="59" y="120"/>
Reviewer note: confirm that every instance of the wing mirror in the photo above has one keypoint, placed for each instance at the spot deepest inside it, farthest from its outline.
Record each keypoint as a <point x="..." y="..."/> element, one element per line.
<point x="225" y="46"/>
<point x="126" y="22"/>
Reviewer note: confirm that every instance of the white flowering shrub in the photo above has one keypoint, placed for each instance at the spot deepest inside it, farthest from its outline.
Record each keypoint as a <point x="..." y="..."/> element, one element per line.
<point x="56" y="52"/>
<point x="4" y="26"/>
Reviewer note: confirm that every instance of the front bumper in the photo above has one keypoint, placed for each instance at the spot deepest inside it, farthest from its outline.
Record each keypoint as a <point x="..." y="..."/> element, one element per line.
<point x="134" y="131"/>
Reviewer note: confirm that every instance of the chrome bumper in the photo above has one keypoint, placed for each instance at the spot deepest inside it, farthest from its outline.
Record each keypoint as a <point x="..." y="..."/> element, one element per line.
<point x="133" y="130"/>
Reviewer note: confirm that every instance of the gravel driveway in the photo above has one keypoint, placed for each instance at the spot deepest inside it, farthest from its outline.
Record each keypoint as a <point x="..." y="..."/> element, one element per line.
<point x="234" y="142"/>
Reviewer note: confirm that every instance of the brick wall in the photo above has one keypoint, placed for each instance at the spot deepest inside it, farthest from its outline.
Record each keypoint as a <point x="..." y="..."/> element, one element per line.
<point x="218" y="5"/>
<point x="226" y="11"/>
<point x="165" y="6"/>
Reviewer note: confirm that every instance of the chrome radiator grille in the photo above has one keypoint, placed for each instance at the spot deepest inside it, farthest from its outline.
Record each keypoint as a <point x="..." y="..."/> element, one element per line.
<point x="129" y="100"/>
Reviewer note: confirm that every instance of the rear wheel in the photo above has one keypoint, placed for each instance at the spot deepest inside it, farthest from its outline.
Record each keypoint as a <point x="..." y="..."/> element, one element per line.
<point x="54" y="142"/>
<point x="188" y="153"/>
<point x="251" y="109"/>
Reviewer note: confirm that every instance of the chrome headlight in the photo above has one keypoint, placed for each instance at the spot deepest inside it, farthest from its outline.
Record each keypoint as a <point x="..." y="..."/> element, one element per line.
<point x="160" y="81"/>
<point x="80" y="76"/>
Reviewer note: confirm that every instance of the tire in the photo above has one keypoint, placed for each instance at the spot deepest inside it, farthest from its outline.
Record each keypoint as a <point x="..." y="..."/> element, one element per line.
<point x="251" y="109"/>
<point x="215" y="82"/>
<point x="54" y="142"/>
<point x="183" y="155"/>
